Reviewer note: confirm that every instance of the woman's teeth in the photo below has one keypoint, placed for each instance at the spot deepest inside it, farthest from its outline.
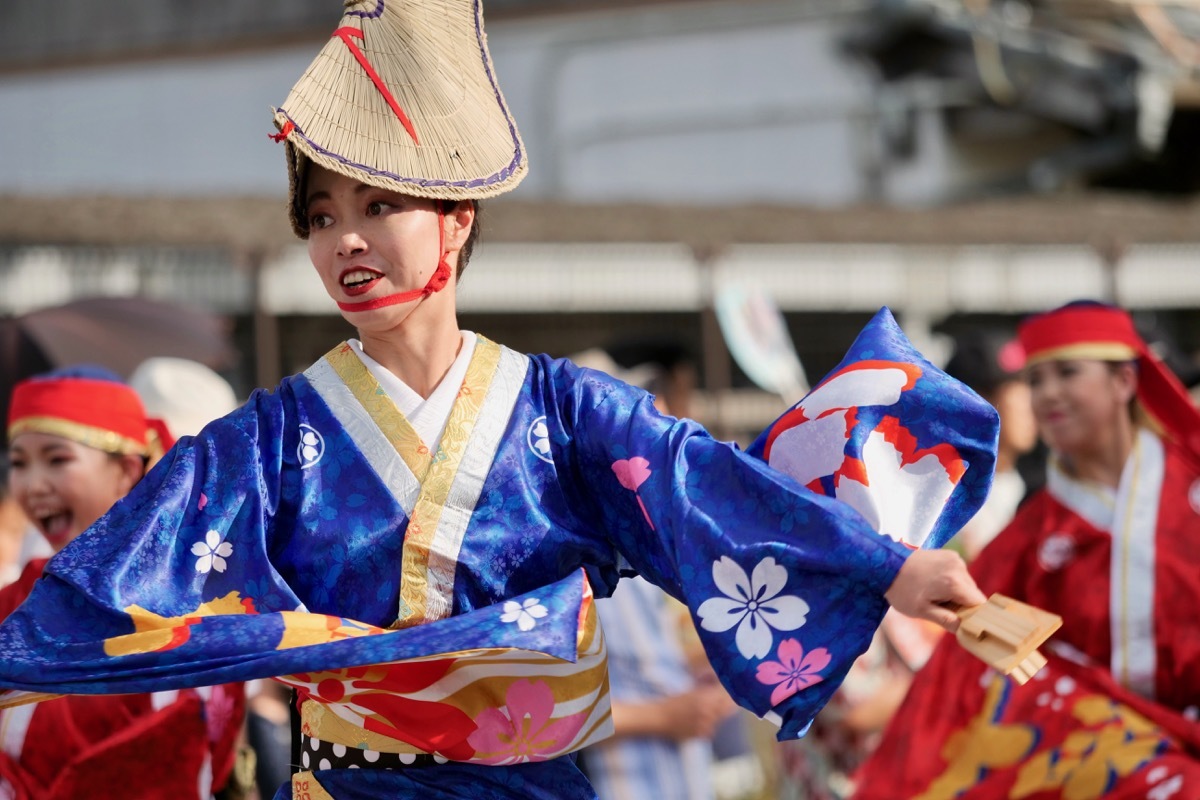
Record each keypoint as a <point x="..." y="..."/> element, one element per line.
<point x="56" y="525"/>
<point x="358" y="277"/>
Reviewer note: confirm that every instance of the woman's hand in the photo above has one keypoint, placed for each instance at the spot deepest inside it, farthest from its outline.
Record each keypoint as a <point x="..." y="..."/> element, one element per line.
<point x="931" y="585"/>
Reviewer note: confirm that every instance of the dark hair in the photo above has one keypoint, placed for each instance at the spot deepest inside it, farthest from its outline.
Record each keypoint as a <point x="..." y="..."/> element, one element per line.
<point x="985" y="360"/>
<point x="464" y="255"/>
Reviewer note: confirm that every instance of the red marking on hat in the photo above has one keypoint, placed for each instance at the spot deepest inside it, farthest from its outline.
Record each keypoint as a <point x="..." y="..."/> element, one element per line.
<point x="344" y="34"/>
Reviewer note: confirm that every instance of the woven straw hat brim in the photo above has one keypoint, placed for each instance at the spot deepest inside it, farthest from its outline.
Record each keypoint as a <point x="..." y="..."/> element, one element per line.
<point x="431" y="122"/>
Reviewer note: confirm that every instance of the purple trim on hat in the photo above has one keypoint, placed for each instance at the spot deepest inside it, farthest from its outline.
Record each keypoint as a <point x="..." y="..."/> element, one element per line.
<point x="368" y="14"/>
<point x="497" y="177"/>
<point x="487" y="65"/>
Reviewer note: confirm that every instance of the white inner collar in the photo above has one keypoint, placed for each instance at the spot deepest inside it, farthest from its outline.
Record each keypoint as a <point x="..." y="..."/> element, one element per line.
<point x="427" y="416"/>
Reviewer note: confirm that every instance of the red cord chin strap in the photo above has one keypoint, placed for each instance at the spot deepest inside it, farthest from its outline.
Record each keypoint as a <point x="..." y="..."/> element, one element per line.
<point x="437" y="281"/>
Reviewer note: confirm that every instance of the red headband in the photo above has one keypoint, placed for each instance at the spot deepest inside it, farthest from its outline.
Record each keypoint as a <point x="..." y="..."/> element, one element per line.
<point x="1107" y="333"/>
<point x="1082" y="331"/>
<point x="102" y="414"/>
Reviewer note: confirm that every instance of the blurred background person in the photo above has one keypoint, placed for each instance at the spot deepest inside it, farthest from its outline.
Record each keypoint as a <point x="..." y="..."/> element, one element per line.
<point x="186" y="394"/>
<point x="822" y="765"/>
<point x="666" y="710"/>
<point x="79" y="440"/>
<point x="1110" y="544"/>
<point x="667" y="704"/>
<point x="991" y="363"/>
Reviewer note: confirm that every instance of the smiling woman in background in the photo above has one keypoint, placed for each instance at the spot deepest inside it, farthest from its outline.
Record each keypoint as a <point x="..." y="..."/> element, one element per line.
<point x="79" y="441"/>
<point x="1111" y="545"/>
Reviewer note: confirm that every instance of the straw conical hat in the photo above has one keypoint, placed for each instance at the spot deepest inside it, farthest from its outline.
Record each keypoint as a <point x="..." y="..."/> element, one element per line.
<point x="404" y="96"/>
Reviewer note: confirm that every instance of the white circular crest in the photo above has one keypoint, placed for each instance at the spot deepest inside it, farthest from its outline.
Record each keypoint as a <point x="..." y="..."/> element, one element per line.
<point x="311" y="447"/>
<point x="538" y="438"/>
<point x="1194" y="496"/>
<point x="1056" y="551"/>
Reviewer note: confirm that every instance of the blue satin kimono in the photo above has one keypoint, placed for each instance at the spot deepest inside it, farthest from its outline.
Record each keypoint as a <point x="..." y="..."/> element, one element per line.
<point x="440" y="604"/>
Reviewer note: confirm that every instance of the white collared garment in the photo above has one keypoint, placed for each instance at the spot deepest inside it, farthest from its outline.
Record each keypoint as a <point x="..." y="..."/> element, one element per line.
<point x="427" y="416"/>
<point x="1130" y="515"/>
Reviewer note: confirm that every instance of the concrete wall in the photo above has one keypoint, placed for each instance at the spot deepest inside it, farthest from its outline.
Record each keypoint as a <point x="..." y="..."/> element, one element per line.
<point x="706" y="102"/>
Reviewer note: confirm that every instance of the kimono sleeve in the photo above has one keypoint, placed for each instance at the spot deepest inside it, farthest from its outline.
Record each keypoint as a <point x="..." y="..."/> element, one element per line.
<point x="784" y="555"/>
<point x="785" y="586"/>
<point x="119" y="608"/>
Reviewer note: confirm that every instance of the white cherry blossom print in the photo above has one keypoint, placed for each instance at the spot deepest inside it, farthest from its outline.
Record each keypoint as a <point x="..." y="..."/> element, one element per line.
<point x="212" y="553"/>
<point x="525" y="614"/>
<point x="538" y="438"/>
<point x="311" y="447"/>
<point x="753" y="604"/>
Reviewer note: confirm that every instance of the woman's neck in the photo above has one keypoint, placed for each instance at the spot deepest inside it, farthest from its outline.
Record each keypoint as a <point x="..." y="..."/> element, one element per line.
<point x="420" y="357"/>
<point x="1105" y="462"/>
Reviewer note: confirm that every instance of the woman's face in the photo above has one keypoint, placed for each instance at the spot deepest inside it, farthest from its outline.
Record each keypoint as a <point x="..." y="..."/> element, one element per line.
<point x="1080" y="404"/>
<point x="369" y="243"/>
<point x="63" y="486"/>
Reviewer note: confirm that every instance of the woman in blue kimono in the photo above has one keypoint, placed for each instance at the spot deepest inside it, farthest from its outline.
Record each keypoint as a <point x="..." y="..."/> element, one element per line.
<point x="411" y="532"/>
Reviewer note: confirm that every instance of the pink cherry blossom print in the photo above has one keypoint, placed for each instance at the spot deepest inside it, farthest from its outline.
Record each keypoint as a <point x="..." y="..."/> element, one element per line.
<point x="523" y="730"/>
<point x="202" y="502"/>
<point x="795" y="669"/>
<point x="632" y="473"/>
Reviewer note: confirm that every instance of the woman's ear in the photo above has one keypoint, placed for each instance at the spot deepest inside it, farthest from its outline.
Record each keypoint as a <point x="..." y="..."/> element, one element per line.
<point x="1126" y="377"/>
<point x="132" y="468"/>
<point x="458" y="224"/>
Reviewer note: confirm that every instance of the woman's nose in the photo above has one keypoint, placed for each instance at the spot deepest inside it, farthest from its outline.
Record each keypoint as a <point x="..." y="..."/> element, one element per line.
<point x="31" y="482"/>
<point x="351" y="244"/>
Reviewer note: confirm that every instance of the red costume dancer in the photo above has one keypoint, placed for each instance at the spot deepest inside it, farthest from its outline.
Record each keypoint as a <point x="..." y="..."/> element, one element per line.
<point x="79" y="441"/>
<point x="1111" y="545"/>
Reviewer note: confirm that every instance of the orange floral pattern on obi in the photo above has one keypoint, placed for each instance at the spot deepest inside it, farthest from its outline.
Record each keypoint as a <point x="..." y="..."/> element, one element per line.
<point x="491" y="706"/>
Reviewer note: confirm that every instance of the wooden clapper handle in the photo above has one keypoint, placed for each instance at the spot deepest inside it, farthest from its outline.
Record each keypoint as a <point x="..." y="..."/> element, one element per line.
<point x="1006" y="634"/>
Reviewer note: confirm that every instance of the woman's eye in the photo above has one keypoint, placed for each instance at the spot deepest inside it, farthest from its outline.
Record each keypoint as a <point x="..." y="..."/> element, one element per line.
<point x="318" y="221"/>
<point x="375" y="208"/>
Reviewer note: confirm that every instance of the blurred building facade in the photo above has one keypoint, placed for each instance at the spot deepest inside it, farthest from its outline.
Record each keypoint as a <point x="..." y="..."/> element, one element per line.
<point x="949" y="159"/>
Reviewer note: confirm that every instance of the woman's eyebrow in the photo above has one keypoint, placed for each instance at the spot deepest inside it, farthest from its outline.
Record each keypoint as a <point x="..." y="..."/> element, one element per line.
<point x="323" y="195"/>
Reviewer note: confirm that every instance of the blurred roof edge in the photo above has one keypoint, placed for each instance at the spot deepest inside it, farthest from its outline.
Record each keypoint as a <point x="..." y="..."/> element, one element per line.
<point x="259" y="224"/>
